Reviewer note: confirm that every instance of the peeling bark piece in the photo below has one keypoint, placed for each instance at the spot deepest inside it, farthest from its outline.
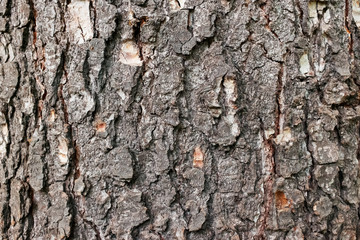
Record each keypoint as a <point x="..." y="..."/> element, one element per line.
<point x="36" y="169"/>
<point x="161" y="157"/>
<point x="105" y="18"/>
<point x="37" y="151"/>
<point x="180" y="34"/>
<point x="203" y="22"/>
<point x="198" y="215"/>
<point x="197" y="221"/>
<point x="326" y="152"/>
<point x="79" y="186"/>
<point x="348" y="234"/>
<point x="9" y="78"/>
<point x="326" y="175"/>
<point x="119" y="164"/>
<point x="3" y="51"/>
<point x="295" y="234"/>
<point x="229" y="172"/>
<point x="59" y="215"/>
<point x="323" y="207"/>
<point x="229" y="126"/>
<point x="19" y="201"/>
<point x="341" y="65"/>
<point x="130" y="213"/>
<point x="196" y="177"/>
<point x="20" y="17"/>
<point x="356" y="12"/>
<point x="336" y="92"/>
<point x="79" y="104"/>
<point x="79" y="22"/>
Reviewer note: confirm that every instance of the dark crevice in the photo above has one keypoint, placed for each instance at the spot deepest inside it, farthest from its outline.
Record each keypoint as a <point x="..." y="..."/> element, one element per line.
<point x="137" y="169"/>
<point x="6" y="211"/>
<point x="58" y="76"/>
<point x="265" y="8"/>
<point x="62" y="14"/>
<point x="25" y="37"/>
<point x="301" y="17"/>
<point x="8" y="8"/>
<point x="190" y="21"/>
<point x="136" y="31"/>
<point x="110" y="44"/>
<point x="93" y="227"/>
<point x="135" y="231"/>
<point x="10" y="114"/>
<point x="33" y="15"/>
<point x="86" y="73"/>
<point x="358" y="143"/>
<point x="37" y="98"/>
<point x="30" y="217"/>
<point x="93" y="11"/>
<point x="138" y="76"/>
<point x="308" y="147"/>
<point x="348" y="19"/>
<point x="337" y="133"/>
<point x="210" y="188"/>
<point x="279" y="91"/>
<point x="73" y="171"/>
<point x="268" y="182"/>
<point x="46" y="168"/>
<point x="77" y="161"/>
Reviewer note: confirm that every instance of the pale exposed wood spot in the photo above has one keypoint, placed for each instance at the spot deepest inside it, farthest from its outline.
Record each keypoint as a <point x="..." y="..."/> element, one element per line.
<point x="284" y="136"/>
<point x="225" y="3"/>
<point x="63" y="151"/>
<point x="269" y="132"/>
<point x="230" y="90"/>
<point x="176" y="4"/>
<point x="198" y="160"/>
<point x="130" y="54"/>
<point x="281" y="201"/>
<point x="231" y="96"/>
<point x="100" y="126"/>
<point x="52" y="115"/>
<point x="304" y="64"/>
<point x="4" y="138"/>
<point x="356" y="11"/>
<point x="80" y="25"/>
<point x="180" y="234"/>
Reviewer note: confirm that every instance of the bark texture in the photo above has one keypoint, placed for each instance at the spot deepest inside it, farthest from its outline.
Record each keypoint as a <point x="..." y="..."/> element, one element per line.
<point x="179" y="119"/>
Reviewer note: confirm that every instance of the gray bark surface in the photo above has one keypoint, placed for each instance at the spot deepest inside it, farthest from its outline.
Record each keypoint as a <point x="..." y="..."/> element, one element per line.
<point x="179" y="119"/>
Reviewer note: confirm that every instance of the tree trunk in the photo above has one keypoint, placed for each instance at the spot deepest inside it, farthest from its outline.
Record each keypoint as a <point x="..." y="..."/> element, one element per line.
<point x="179" y="119"/>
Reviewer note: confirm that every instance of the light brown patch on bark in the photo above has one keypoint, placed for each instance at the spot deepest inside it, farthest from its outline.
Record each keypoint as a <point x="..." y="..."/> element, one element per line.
<point x="100" y="126"/>
<point x="198" y="160"/>
<point x="281" y="201"/>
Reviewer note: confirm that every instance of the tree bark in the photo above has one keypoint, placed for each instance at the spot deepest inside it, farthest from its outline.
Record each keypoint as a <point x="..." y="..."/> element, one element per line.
<point x="179" y="119"/>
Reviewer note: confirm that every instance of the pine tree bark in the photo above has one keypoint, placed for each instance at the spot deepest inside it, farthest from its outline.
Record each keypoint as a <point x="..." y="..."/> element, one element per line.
<point x="179" y="119"/>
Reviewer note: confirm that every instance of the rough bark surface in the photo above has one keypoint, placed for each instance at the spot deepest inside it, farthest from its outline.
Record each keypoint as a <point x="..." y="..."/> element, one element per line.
<point x="179" y="119"/>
